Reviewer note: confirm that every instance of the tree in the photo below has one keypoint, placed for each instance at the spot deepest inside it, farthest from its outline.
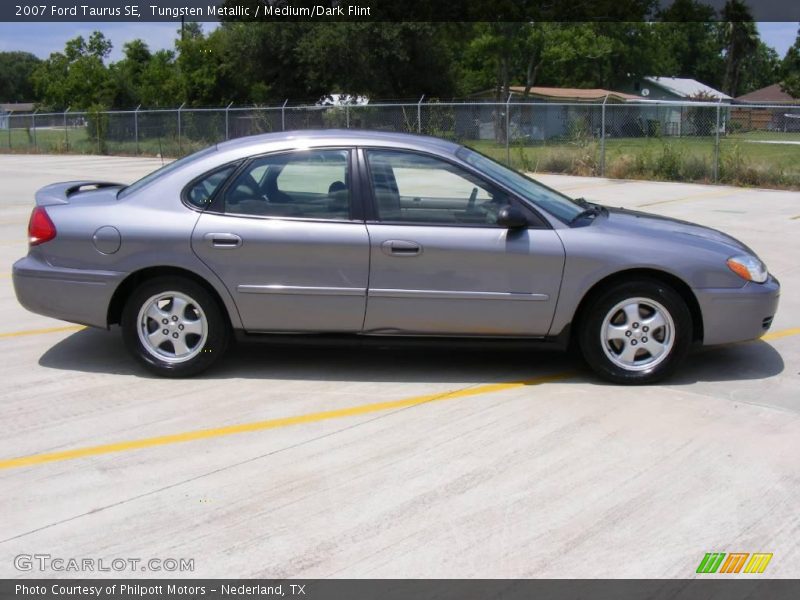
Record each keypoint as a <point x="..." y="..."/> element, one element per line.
<point x="15" y="74"/>
<point x="790" y="69"/>
<point x="760" y="68"/>
<point x="385" y="60"/>
<point x="688" y="43"/>
<point x="77" y="77"/>
<point x="159" y="86"/>
<point x="740" y="38"/>
<point x="127" y="74"/>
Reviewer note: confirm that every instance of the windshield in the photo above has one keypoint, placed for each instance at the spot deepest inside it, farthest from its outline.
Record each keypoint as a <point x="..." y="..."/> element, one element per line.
<point x="168" y="168"/>
<point x="548" y="199"/>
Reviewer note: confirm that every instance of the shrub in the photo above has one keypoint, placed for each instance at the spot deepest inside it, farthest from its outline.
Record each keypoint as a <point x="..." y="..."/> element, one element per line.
<point x="668" y="164"/>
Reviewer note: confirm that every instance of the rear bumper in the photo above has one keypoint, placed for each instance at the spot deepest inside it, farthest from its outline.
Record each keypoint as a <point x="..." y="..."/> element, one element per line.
<point x="75" y="295"/>
<point x="737" y="315"/>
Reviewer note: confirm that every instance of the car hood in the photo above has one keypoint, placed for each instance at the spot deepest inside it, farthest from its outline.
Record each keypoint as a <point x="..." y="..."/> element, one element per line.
<point x="651" y="225"/>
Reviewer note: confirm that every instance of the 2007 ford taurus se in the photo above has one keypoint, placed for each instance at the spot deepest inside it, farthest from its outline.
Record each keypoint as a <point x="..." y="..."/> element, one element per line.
<point x="380" y="234"/>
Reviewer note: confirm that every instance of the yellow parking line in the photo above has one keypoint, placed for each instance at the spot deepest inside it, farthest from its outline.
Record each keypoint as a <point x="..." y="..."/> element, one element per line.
<point x="12" y="334"/>
<point x="689" y="197"/>
<point x="200" y="434"/>
<point x="775" y="335"/>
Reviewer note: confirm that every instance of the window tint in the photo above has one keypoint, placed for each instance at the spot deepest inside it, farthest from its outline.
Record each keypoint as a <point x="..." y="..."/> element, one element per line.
<point x="200" y="192"/>
<point x="410" y="187"/>
<point x="550" y="200"/>
<point x="312" y="185"/>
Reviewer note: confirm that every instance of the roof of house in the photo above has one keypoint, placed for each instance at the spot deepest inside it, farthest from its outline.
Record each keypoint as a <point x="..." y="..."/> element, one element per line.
<point x="686" y="88"/>
<point x="579" y="94"/>
<point x="16" y="107"/>
<point x="771" y="93"/>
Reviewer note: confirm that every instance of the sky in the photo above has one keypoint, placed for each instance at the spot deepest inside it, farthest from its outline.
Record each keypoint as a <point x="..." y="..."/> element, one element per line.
<point x="43" y="38"/>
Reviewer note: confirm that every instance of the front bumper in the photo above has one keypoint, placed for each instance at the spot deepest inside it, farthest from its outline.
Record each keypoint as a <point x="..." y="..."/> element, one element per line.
<point x="738" y="314"/>
<point x="75" y="295"/>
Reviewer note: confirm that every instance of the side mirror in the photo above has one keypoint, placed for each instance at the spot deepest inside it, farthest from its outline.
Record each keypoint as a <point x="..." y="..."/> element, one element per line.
<point x="512" y="218"/>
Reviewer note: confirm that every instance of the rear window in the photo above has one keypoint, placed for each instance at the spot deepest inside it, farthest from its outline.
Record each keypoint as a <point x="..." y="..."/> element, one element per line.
<point x="165" y="170"/>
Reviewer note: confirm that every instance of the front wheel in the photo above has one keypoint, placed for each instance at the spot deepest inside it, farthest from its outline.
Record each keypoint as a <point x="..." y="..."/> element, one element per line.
<point x="636" y="332"/>
<point x="174" y="327"/>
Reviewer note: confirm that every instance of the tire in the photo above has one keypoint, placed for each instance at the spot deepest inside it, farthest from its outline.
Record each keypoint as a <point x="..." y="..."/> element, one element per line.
<point x="174" y="327"/>
<point x="635" y="332"/>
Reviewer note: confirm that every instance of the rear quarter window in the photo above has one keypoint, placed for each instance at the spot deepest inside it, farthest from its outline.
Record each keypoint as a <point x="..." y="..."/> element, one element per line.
<point x="201" y="191"/>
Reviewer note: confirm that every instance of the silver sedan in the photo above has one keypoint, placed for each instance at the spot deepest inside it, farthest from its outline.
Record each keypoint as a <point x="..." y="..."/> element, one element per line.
<point x="380" y="235"/>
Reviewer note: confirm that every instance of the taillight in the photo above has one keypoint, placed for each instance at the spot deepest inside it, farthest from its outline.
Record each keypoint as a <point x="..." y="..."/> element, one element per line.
<point x="40" y="227"/>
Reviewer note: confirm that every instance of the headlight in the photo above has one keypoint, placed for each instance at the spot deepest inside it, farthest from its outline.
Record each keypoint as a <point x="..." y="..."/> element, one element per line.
<point x="748" y="268"/>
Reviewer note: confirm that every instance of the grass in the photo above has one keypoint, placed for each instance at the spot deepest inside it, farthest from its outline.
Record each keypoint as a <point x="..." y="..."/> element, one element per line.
<point x="743" y="161"/>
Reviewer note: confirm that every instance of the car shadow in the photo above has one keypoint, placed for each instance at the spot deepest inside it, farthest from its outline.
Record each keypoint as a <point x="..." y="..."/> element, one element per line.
<point x="99" y="351"/>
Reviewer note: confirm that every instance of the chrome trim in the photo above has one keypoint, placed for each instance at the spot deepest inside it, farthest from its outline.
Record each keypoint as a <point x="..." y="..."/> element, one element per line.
<point x="456" y="295"/>
<point x="301" y="290"/>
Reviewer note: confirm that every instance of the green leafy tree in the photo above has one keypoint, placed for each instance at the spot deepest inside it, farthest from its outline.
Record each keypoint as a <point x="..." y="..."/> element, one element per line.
<point x="78" y="77"/>
<point x="790" y="69"/>
<point x="760" y="68"/>
<point x="15" y="74"/>
<point x="740" y="38"/>
<point x="688" y="44"/>
<point x="126" y="74"/>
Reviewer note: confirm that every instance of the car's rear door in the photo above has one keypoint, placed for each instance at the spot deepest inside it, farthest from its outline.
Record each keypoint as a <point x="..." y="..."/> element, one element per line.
<point x="441" y="265"/>
<point x="286" y="237"/>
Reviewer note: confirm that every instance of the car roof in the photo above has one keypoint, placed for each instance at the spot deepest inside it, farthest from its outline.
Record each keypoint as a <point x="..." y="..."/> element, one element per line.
<point x="344" y="137"/>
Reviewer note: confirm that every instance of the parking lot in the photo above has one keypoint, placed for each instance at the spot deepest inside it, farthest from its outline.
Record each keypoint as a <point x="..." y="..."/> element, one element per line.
<point x="330" y="462"/>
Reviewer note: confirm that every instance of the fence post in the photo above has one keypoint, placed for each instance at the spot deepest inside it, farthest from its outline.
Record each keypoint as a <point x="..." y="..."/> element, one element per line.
<point x="66" y="131"/>
<point x="508" y="125"/>
<point x="180" y="143"/>
<point x="347" y="115"/>
<point x="716" y="145"/>
<point x="136" y="127"/>
<point x="283" y="115"/>
<point x="35" y="141"/>
<point x="419" y="113"/>
<point x="227" y="112"/>
<point x="603" y="138"/>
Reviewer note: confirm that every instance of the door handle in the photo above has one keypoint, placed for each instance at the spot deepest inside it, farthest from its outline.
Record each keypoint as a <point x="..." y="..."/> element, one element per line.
<point x="401" y="248"/>
<point x="223" y="240"/>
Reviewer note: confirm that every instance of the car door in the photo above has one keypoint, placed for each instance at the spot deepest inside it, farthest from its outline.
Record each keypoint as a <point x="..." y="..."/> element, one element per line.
<point x="439" y="262"/>
<point x="285" y="237"/>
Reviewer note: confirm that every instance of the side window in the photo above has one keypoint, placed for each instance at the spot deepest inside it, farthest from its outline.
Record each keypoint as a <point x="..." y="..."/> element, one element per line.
<point x="310" y="184"/>
<point x="199" y="194"/>
<point x="415" y="188"/>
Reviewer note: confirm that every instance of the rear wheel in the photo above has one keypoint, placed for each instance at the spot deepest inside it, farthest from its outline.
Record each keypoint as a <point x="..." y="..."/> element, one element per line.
<point x="636" y="332"/>
<point x="174" y="327"/>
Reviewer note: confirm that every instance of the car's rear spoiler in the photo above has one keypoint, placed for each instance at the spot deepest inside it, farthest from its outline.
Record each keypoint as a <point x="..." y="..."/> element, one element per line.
<point x="59" y="193"/>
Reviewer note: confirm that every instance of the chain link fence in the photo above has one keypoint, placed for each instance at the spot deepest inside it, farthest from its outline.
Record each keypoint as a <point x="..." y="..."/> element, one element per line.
<point x="756" y="144"/>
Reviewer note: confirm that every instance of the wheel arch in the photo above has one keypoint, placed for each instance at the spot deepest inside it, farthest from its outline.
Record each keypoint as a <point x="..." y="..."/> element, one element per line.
<point x="135" y="279"/>
<point x="680" y="286"/>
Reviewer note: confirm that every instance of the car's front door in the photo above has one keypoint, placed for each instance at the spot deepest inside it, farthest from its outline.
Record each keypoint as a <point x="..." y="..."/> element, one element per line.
<point x="284" y="238"/>
<point x="439" y="262"/>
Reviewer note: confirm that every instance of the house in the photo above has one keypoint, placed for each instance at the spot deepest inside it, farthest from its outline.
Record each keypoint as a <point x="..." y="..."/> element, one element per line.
<point x="679" y="120"/>
<point x="752" y="115"/>
<point x="673" y="88"/>
<point x="9" y="108"/>
<point x="553" y="113"/>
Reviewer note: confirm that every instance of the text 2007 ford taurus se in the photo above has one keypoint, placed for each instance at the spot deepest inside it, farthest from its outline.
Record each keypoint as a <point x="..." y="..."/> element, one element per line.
<point x="378" y="234"/>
